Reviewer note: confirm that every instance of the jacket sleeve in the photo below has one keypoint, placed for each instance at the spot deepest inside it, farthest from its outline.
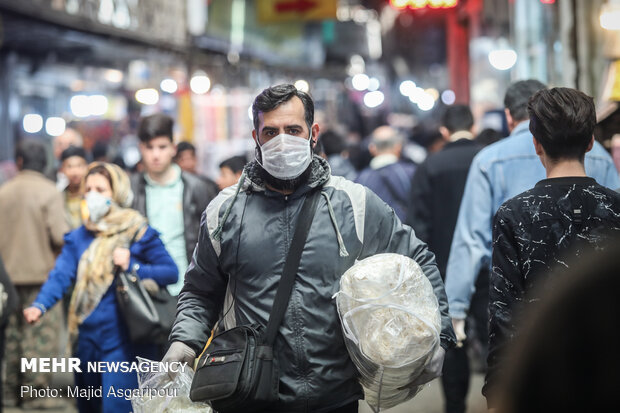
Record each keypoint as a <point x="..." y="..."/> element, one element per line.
<point x="62" y="275"/>
<point x="202" y="296"/>
<point x="600" y="165"/>
<point x="383" y="232"/>
<point x="419" y="213"/>
<point x="153" y="258"/>
<point x="506" y="291"/>
<point x="471" y="245"/>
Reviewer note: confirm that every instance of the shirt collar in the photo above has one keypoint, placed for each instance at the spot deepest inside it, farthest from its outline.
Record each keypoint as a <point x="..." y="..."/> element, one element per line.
<point x="461" y="134"/>
<point x="385" y="159"/>
<point x="172" y="182"/>
<point x="524" y="125"/>
<point x="568" y="180"/>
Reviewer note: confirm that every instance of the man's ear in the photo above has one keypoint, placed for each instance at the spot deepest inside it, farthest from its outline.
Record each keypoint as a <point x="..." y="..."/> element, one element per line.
<point x="540" y="151"/>
<point x="509" y="120"/>
<point x="445" y="133"/>
<point x="314" y="134"/>
<point x="590" y="145"/>
<point x="255" y="137"/>
<point x="372" y="148"/>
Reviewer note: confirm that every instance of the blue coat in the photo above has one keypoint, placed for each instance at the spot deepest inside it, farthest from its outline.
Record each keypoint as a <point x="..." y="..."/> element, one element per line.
<point x="391" y="183"/>
<point x="104" y="324"/>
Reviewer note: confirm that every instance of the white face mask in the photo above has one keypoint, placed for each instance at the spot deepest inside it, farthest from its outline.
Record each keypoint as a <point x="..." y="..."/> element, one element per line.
<point x="286" y="157"/>
<point x="98" y="205"/>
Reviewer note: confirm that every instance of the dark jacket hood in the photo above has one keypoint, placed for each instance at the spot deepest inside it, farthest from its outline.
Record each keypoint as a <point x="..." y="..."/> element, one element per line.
<point x="319" y="175"/>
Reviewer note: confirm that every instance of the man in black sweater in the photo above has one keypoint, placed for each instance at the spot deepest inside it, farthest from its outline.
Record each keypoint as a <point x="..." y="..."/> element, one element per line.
<point x="537" y="231"/>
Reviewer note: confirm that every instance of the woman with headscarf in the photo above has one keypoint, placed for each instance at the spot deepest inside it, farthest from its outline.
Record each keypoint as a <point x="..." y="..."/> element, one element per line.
<point x="87" y="261"/>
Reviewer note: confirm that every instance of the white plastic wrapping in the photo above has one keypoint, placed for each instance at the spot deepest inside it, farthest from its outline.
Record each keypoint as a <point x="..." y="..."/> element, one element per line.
<point x="172" y="394"/>
<point x="391" y="323"/>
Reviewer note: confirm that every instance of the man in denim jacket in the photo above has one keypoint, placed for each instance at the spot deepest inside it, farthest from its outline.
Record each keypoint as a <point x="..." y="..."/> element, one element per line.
<point x="498" y="173"/>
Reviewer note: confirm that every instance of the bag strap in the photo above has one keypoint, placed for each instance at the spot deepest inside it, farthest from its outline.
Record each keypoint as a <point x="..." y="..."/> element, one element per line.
<point x="291" y="265"/>
<point x="117" y="269"/>
<point x="133" y="239"/>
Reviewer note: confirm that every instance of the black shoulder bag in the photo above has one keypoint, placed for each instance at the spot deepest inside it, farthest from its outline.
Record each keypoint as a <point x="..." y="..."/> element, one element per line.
<point x="148" y="315"/>
<point x="237" y="371"/>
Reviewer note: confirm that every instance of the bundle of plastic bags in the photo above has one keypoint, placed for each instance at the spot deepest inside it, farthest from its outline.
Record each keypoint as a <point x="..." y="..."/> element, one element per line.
<point x="391" y="323"/>
<point x="162" y="392"/>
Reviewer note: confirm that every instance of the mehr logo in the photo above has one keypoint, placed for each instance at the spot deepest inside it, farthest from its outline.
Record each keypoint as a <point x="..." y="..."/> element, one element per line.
<point x="51" y="365"/>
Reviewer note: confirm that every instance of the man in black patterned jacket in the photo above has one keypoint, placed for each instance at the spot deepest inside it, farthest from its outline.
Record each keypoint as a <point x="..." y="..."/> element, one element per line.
<point x="536" y="231"/>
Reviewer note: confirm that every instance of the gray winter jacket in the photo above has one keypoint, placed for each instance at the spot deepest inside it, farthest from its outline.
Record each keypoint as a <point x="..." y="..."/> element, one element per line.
<point x="244" y="239"/>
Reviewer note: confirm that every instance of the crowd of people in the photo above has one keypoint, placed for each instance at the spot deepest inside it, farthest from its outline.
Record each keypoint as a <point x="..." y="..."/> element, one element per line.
<point x="497" y="221"/>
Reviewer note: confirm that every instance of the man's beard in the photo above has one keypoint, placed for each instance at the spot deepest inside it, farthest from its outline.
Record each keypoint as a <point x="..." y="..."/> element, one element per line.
<point x="285" y="184"/>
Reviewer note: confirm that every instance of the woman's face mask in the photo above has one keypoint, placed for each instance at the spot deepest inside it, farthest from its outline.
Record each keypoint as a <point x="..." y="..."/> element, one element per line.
<point x="97" y="205"/>
<point x="286" y="157"/>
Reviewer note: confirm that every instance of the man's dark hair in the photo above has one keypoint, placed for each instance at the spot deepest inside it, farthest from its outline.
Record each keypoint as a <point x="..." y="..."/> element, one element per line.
<point x="185" y="146"/>
<point x="32" y="154"/>
<point x="562" y="120"/>
<point x="333" y="143"/>
<point x="154" y="126"/>
<point x="72" y="151"/>
<point x="517" y="96"/>
<point x="457" y="118"/>
<point x="270" y="98"/>
<point x="100" y="151"/>
<point x="488" y="136"/>
<point x="235" y="164"/>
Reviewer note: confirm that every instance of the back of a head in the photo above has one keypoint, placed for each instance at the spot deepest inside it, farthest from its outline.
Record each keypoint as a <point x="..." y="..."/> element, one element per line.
<point x="457" y="118"/>
<point x="517" y="96"/>
<point x="155" y="126"/>
<point x="488" y="136"/>
<point x="386" y="138"/>
<point x="562" y="120"/>
<point x="31" y="155"/>
<point x="333" y="143"/>
<point x="235" y="164"/>
<point x="272" y="97"/>
<point x="100" y="151"/>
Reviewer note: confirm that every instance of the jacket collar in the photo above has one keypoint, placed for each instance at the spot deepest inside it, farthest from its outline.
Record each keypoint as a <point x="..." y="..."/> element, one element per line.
<point x="521" y="128"/>
<point x="319" y="175"/>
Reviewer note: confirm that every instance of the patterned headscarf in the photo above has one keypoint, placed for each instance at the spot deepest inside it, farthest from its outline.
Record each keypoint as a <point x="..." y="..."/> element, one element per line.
<point x="95" y="271"/>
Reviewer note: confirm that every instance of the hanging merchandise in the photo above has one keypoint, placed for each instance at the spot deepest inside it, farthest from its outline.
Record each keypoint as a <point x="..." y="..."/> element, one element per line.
<point x="391" y="324"/>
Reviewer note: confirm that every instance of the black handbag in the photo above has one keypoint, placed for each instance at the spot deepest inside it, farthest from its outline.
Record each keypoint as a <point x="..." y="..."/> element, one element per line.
<point x="237" y="371"/>
<point x="148" y="316"/>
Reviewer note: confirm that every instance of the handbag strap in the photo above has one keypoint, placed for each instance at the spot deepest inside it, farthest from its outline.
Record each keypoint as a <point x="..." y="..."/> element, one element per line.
<point x="117" y="269"/>
<point x="291" y="266"/>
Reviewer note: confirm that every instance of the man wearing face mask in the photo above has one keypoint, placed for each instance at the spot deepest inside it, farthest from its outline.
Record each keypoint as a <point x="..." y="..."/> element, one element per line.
<point x="244" y="239"/>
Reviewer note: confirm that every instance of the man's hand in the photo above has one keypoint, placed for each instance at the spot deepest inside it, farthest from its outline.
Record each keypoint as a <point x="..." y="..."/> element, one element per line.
<point x="459" y="330"/>
<point x="32" y="314"/>
<point x="120" y="257"/>
<point x="180" y="352"/>
<point x="432" y="370"/>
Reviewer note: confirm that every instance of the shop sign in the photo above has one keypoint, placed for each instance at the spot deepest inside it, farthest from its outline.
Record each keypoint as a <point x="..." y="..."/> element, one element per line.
<point x="275" y="11"/>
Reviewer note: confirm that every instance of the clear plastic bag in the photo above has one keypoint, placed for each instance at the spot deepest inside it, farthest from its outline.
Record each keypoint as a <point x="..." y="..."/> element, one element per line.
<point x="162" y="394"/>
<point x="391" y="323"/>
